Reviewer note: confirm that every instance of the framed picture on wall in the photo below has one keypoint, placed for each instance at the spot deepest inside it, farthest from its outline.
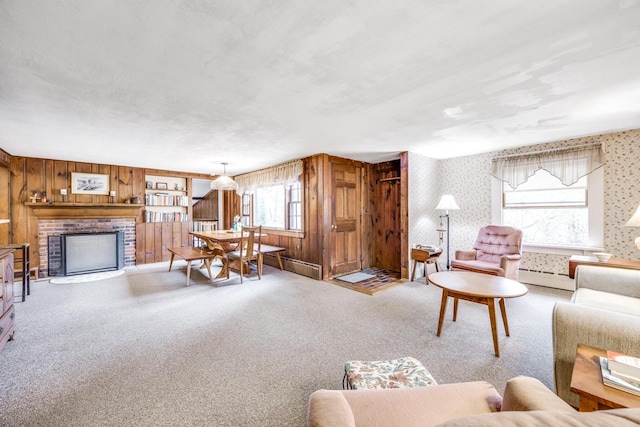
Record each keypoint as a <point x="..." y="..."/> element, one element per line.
<point x="89" y="183"/>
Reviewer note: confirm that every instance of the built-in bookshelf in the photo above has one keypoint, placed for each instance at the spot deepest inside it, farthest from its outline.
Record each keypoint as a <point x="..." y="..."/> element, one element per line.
<point x="166" y="199"/>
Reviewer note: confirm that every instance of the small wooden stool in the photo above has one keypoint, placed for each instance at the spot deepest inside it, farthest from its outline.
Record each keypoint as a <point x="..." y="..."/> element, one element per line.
<point x="422" y="255"/>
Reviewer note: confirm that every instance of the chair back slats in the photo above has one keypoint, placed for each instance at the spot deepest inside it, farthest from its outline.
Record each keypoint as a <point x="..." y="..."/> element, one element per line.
<point x="250" y="241"/>
<point x="245" y="253"/>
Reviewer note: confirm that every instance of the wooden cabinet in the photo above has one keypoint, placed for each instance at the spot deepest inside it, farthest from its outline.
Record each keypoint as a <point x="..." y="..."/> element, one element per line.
<point x="7" y="321"/>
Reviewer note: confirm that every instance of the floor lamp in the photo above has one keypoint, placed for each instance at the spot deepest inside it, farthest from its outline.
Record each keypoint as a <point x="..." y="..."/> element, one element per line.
<point x="635" y="222"/>
<point x="447" y="203"/>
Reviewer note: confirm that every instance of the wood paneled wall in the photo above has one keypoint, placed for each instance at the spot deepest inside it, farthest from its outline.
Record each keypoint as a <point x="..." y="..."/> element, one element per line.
<point x="34" y="175"/>
<point x="5" y="198"/>
<point x="31" y="176"/>
<point x="207" y="207"/>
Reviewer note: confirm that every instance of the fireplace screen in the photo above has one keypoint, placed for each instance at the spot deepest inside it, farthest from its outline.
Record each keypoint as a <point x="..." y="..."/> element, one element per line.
<point x="82" y="253"/>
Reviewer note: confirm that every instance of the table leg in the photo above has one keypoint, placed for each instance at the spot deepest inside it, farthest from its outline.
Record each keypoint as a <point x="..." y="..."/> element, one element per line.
<point x="279" y="261"/>
<point x="587" y="405"/>
<point x="455" y="309"/>
<point x="171" y="260"/>
<point x="413" y="272"/>
<point x="494" y="329"/>
<point x="503" y="309"/>
<point x="207" y="262"/>
<point x="426" y="272"/>
<point x="224" y="271"/>
<point x="443" y="308"/>
<point x="188" y="271"/>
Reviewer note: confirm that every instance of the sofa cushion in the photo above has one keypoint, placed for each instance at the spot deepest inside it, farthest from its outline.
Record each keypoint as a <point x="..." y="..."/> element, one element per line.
<point x="494" y="241"/>
<point x="421" y="406"/>
<point x="607" y="301"/>
<point x="394" y="373"/>
<point x="612" y="417"/>
<point x="475" y="265"/>
<point x="524" y="393"/>
<point x="329" y="408"/>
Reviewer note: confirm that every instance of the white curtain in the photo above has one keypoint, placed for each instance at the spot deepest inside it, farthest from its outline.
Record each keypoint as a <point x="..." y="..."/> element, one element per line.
<point x="567" y="164"/>
<point x="284" y="174"/>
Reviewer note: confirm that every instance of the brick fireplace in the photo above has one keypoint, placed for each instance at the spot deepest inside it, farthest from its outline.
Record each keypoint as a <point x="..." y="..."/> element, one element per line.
<point x="48" y="227"/>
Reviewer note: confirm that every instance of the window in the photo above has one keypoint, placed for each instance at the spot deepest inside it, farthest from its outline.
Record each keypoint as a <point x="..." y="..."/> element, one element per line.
<point x="550" y="213"/>
<point x="278" y="207"/>
<point x="295" y="207"/>
<point x="245" y="217"/>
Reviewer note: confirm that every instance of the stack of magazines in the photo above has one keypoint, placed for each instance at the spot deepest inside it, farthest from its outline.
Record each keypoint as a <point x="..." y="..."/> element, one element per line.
<point x="621" y="371"/>
<point x="430" y="248"/>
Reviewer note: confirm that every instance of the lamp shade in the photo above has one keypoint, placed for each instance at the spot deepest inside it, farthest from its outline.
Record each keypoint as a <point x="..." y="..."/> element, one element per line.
<point x="224" y="181"/>
<point x="447" y="203"/>
<point x="635" y="219"/>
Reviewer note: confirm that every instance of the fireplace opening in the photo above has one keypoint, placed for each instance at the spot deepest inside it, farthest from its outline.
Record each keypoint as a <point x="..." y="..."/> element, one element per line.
<point x="82" y="253"/>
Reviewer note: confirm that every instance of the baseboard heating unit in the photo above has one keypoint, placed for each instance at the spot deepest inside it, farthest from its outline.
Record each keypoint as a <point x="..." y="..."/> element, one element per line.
<point x="546" y="278"/>
<point x="303" y="268"/>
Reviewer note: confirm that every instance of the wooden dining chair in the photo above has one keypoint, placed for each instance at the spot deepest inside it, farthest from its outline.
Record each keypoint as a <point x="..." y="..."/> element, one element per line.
<point x="248" y="250"/>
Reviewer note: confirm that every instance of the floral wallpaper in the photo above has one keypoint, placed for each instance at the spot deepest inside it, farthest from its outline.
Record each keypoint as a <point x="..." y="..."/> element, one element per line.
<point x="423" y="198"/>
<point x="468" y="180"/>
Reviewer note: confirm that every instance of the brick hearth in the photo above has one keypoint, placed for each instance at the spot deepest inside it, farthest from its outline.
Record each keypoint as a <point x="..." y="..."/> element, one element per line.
<point x="48" y="227"/>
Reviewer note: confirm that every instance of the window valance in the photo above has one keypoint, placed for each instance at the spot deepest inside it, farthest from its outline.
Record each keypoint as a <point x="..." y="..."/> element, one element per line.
<point x="567" y="164"/>
<point x="284" y="174"/>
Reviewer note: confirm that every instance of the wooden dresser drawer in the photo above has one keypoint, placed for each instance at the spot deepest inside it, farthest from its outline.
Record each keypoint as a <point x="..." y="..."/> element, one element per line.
<point x="7" y="326"/>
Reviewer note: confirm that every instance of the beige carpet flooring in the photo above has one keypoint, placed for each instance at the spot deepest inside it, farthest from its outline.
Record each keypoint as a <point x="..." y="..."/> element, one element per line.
<point x="142" y="349"/>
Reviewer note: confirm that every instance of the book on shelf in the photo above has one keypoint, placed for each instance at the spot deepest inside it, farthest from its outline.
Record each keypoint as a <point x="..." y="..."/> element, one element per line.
<point x="624" y="364"/>
<point x="152" y="216"/>
<point x="616" y="382"/>
<point x="164" y="199"/>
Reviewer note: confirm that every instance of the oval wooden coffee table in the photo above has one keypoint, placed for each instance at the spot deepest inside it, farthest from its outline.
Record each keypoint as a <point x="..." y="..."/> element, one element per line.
<point x="480" y="288"/>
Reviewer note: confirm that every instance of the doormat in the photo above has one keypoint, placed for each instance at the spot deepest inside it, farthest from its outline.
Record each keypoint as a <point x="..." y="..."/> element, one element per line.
<point x="82" y="278"/>
<point x="382" y="279"/>
<point x="355" y="277"/>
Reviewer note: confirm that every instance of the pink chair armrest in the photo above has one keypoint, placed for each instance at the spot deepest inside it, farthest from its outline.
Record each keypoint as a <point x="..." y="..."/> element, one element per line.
<point x="510" y="265"/>
<point x="465" y="255"/>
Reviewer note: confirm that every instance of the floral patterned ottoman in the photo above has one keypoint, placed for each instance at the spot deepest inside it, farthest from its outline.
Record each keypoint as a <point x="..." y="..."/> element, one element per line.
<point x="395" y="373"/>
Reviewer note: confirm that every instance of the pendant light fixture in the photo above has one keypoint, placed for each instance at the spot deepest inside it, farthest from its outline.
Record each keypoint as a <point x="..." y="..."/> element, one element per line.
<point x="224" y="181"/>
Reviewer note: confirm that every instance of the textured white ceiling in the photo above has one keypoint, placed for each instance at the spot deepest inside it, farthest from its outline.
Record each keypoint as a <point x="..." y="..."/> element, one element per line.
<point x="186" y="85"/>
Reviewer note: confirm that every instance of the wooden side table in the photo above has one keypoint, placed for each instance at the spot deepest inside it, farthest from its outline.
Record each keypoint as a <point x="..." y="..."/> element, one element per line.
<point x="577" y="260"/>
<point x="422" y="255"/>
<point x="586" y="381"/>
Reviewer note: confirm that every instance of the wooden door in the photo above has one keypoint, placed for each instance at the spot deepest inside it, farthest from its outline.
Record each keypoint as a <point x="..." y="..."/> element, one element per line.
<point x="345" y="225"/>
<point x="386" y="244"/>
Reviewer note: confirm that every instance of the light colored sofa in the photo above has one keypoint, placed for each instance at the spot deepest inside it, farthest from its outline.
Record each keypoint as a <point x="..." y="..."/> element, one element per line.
<point x="604" y="312"/>
<point x="526" y="402"/>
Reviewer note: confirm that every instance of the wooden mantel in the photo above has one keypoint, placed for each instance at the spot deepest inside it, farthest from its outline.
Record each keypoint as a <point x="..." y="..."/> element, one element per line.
<point x="84" y="210"/>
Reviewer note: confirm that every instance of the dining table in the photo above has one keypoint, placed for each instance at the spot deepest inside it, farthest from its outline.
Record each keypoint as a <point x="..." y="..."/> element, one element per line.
<point x="227" y="239"/>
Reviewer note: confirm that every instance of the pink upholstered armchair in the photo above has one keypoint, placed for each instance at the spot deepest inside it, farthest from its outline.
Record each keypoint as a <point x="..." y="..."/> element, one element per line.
<point x="497" y="251"/>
